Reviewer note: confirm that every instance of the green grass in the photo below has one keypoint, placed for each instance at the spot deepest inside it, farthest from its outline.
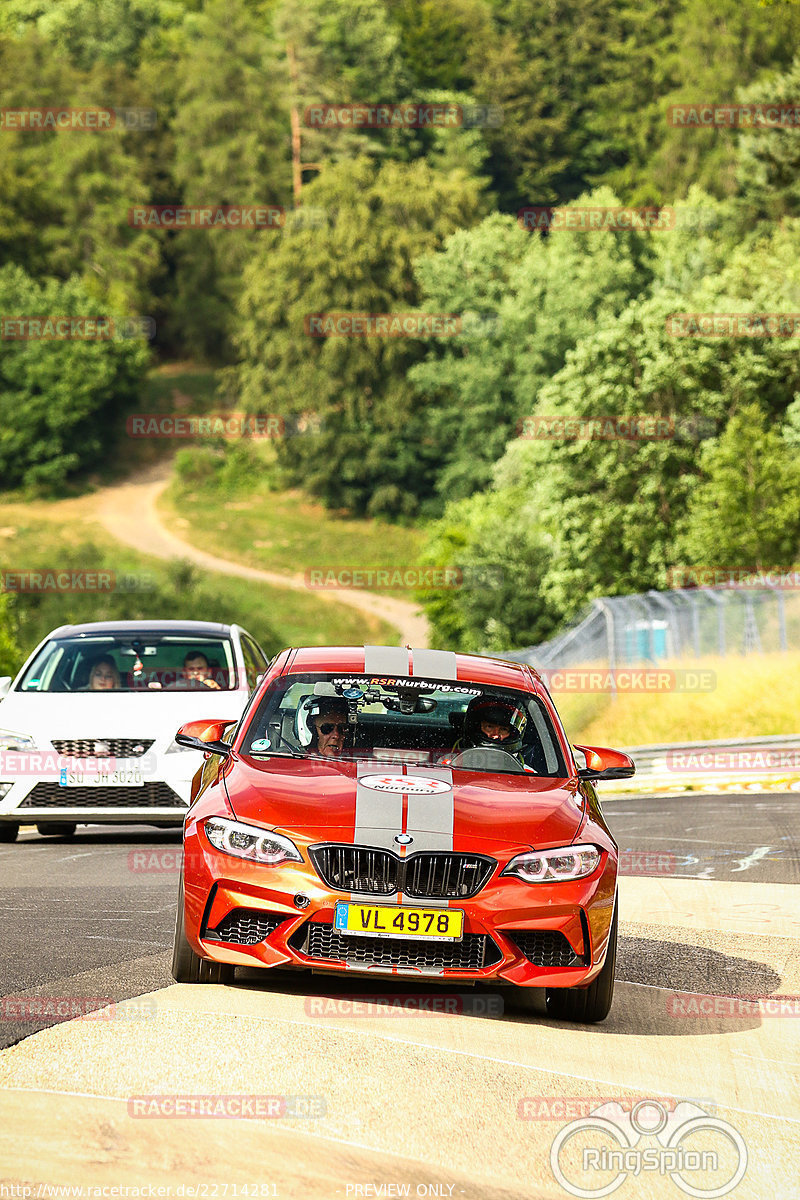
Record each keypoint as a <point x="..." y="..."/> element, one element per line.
<point x="175" y="389"/>
<point x="756" y="696"/>
<point x="64" y="535"/>
<point x="248" y="521"/>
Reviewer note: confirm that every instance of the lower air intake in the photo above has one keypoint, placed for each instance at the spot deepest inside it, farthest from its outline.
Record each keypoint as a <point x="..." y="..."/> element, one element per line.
<point x="323" y="942"/>
<point x="245" y="927"/>
<point x="544" y="947"/>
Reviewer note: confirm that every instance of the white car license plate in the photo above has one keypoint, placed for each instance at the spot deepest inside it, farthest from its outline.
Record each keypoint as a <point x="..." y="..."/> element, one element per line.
<point x="129" y="777"/>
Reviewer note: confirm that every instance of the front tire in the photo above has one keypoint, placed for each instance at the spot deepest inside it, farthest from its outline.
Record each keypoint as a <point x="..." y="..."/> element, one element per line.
<point x="188" y="967"/>
<point x="593" y="1003"/>
<point x="8" y="833"/>
<point x="57" y="829"/>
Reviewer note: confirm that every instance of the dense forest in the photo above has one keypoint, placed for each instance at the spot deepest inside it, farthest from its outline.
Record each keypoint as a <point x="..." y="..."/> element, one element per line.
<point x="563" y="104"/>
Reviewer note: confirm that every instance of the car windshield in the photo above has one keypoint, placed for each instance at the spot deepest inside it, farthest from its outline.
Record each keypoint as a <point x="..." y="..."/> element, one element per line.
<point x="131" y="663"/>
<point x="405" y="721"/>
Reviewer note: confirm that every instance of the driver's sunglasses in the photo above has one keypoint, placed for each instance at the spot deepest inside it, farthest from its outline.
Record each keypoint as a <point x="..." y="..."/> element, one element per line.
<point x="329" y="726"/>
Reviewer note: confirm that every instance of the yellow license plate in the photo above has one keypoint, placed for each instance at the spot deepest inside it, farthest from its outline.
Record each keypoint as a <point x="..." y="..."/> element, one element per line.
<point x="383" y="920"/>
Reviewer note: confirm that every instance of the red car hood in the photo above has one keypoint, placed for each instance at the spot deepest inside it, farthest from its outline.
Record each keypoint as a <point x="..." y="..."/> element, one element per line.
<point x="355" y="802"/>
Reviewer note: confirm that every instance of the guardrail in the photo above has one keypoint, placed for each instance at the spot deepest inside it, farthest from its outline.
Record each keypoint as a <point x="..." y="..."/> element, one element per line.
<point x="742" y="761"/>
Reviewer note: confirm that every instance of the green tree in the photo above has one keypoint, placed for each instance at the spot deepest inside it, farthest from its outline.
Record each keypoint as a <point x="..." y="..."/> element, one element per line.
<point x="58" y="398"/>
<point x="537" y="297"/>
<point x="230" y="145"/>
<point x="95" y="31"/>
<point x="371" y="455"/>
<point x="769" y="159"/>
<point x="69" y="194"/>
<point x="496" y="544"/>
<point x="746" y="510"/>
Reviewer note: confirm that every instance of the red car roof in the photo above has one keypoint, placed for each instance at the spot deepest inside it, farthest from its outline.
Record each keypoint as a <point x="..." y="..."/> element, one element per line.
<point x="432" y="664"/>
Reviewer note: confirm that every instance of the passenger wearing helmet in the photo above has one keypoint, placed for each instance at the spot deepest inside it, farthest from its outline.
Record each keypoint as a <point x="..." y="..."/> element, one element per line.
<point x="328" y="723"/>
<point x="493" y="722"/>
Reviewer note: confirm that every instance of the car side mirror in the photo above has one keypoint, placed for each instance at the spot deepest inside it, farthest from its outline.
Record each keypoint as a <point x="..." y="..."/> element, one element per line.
<point x="205" y="735"/>
<point x="602" y="763"/>
<point x="5" y="685"/>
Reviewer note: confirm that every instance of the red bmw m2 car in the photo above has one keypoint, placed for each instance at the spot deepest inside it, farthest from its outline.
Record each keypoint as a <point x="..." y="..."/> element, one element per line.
<point x="416" y="813"/>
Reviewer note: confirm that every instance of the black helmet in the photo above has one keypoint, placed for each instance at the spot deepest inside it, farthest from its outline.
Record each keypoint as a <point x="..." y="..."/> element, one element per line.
<point x="497" y="712"/>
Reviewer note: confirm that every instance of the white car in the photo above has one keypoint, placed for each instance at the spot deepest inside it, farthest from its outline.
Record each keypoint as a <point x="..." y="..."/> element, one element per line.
<point x="87" y="728"/>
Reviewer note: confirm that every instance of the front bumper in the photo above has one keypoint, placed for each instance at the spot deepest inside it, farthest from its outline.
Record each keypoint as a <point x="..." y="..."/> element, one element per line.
<point x="35" y="800"/>
<point x="543" y="935"/>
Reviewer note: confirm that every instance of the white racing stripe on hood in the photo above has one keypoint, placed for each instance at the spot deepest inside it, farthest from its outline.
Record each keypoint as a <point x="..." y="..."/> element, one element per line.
<point x="430" y="822"/>
<point x="379" y="818"/>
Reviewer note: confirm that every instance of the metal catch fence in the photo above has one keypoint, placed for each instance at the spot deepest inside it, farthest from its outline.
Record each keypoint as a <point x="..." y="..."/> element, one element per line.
<point x="684" y="623"/>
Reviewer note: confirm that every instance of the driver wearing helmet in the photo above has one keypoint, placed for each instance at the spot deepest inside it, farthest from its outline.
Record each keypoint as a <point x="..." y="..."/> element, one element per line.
<point x="328" y="722"/>
<point x="493" y="722"/>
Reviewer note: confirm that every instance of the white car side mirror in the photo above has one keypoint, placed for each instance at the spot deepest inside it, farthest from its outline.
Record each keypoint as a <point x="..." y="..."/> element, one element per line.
<point x="5" y="685"/>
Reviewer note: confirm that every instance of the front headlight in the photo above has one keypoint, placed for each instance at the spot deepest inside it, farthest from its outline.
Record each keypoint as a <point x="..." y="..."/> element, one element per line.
<point x="250" y="842"/>
<point x="551" y="866"/>
<point x="17" y="742"/>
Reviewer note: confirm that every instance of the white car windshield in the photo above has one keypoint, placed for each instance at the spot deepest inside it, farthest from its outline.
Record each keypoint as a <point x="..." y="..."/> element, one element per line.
<point x="131" y="663"/>
<point x="405" y="720"/>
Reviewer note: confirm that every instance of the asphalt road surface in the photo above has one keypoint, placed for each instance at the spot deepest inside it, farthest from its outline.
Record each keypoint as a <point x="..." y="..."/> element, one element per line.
<point x="461" y="1104"/>
<point x="93" y="915"/>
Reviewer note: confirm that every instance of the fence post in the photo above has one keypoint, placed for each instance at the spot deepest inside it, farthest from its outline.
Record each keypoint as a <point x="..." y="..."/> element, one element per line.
<point x="611" y="642"/>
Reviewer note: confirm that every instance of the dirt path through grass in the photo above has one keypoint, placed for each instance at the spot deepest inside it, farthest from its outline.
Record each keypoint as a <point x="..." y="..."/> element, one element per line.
<point x="128" y="511"/>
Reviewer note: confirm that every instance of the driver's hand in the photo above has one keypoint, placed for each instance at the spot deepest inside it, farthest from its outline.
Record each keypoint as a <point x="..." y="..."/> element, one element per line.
<point x="212" y="683"/>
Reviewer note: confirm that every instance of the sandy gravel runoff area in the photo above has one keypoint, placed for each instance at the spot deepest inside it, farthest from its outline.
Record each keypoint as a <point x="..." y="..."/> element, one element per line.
<point x="372" y="1099"/>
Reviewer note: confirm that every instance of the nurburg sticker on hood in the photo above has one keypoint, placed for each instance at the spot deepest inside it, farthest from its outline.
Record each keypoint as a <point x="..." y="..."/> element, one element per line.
<point x="415" y="785"/>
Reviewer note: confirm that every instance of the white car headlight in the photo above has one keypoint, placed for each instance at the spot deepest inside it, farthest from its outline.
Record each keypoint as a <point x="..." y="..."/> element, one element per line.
<point x="248" y="841"/>
<point x="551" y="866"/>
<point x="17" y="742"/>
